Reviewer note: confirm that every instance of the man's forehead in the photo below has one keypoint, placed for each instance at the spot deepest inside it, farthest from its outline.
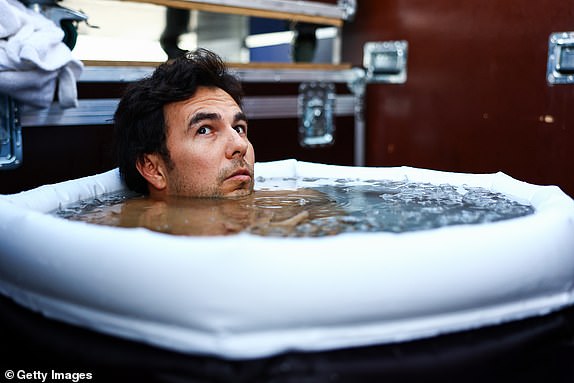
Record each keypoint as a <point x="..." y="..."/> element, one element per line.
<point x="207" y="101"/>
<point x="212" y="93"/>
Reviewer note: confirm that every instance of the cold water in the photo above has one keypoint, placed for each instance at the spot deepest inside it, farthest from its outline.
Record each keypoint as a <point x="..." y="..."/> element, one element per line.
<point x="291" y="207"/>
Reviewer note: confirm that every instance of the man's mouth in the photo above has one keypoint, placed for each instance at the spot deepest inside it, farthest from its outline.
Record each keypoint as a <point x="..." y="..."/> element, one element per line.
<point x="242" y="174"/>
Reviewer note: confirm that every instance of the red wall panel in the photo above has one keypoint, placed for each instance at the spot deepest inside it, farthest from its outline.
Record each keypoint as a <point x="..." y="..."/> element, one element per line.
<point x="476" y="98"/>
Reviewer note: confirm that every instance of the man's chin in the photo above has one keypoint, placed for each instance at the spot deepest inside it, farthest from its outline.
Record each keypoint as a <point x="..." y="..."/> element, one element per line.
<point x="237" y="186"/>
<point x="239" y="193"/>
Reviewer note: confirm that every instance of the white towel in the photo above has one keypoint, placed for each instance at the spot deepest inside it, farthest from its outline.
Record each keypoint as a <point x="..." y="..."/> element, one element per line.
<point x="33" y="58"/>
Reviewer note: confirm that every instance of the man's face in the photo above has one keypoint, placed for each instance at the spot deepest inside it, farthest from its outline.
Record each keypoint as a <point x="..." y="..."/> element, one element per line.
<point x="208" y="145"/>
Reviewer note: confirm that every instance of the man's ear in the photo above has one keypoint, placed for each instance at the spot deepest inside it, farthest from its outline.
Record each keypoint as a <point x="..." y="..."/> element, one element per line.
<point x="151" y="167"/>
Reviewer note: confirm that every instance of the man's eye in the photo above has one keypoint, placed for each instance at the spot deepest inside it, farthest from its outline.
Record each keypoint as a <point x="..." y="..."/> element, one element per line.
<point x="240" y="129"/>
<point x="204" y="130"/>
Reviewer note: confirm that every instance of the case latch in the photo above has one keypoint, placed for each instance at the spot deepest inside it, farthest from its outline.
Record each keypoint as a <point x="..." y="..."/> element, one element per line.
<point x="10" y="134"/>
<point x="386" y="61"/>
<point x="560" y="68"/>
<point x="316" y="103"/>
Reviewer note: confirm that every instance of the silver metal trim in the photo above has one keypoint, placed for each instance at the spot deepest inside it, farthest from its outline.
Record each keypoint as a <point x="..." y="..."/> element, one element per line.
<point x="10" y="134"/>
<point x="294" y="75"/>
<point x="129" y="74"/>
<point x="556" y="42"/>
<point x="115" y="73"/>
<point x="358" y="86"/>
<point x="88" y="112"/>
<point x="349" y="8"/>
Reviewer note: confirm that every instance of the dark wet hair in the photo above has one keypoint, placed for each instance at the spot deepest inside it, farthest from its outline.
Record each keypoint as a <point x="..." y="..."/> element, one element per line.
<point x="139" y="122"/>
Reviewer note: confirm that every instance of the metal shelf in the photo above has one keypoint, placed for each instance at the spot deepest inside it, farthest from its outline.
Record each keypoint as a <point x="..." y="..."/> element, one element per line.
<point x="101" y="111"/>
<point x="262" y="72"/>
<point x="303" y="11"/>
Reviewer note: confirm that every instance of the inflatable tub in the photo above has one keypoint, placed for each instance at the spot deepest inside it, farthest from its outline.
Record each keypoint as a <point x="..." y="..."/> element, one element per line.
<point x="245" y="296"/>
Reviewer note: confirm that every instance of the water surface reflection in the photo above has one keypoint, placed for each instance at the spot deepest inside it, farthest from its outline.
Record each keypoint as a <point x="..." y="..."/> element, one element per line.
<point x="318" y="209"/>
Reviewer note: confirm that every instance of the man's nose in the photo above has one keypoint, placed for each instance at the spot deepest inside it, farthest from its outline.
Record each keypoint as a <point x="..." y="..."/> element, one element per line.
<point x="236" y="145"/>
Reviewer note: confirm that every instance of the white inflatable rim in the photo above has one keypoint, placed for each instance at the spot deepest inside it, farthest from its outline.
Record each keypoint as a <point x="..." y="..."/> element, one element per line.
<point x="245" y="296"/>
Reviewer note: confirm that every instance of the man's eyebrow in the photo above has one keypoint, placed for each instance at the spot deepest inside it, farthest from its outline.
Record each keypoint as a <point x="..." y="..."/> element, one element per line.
<point x="240" y="116"/>
<point x="204" y="116"/>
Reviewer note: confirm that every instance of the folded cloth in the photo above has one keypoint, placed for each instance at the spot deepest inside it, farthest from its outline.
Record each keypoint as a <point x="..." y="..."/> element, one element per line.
<point x="33" y="58"/>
